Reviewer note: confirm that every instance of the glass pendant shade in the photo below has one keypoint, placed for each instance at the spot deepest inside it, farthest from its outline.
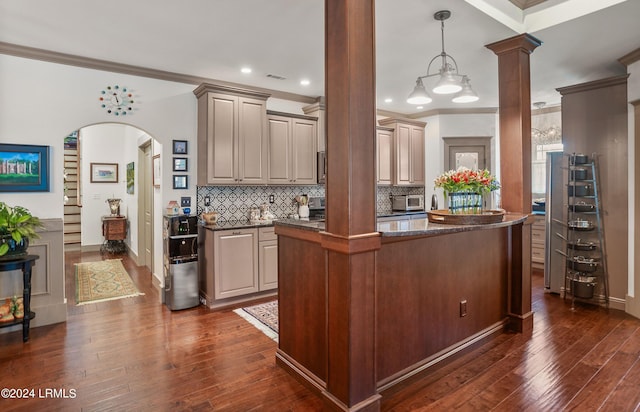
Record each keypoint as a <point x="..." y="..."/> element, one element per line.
<point x="447" y="83"/>
<point x="467" y="94"/>
<point x="419" y="95"/>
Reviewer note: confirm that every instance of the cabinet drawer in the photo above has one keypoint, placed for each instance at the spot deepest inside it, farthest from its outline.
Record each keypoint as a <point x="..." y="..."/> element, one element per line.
<point x="537" y="235"/>
<point x="267" y="233"/>
<point x="537" y="254"/>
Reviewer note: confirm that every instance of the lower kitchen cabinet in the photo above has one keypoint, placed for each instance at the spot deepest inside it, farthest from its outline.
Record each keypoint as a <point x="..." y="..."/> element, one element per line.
<point x="235" y="257"/>
<point x="537" y="242"/>
<point x="268" y="258"/>
<point x="237" y="264"/>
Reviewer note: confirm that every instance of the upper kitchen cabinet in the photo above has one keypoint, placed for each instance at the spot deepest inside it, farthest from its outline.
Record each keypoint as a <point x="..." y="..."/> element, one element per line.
<point x="232" y="135"/>
<point x="292" y="149"/>
<point x="384" y="155"/>
<point x="408" y="146"/>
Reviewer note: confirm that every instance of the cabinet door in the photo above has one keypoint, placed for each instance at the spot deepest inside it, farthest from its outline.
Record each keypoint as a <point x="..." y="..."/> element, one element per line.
<point x="235" y="262"/>
<point x="279" y="153"/>
<point x="417" y="156"/>
<point x="304" y="152"/>
<point x="403" y="154"/>
<point x="384" y="157"/>
<point x="268" y="258"/>
<point x="252" y="141"/>
<point x="221" y="139"/>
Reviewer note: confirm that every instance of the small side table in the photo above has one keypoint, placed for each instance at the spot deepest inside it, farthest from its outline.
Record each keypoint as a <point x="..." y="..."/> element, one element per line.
<point x="25" y="264"/>
<point x="114" y="230"/>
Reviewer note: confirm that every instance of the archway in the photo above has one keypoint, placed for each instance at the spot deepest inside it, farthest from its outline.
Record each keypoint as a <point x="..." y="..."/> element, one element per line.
<point x="110" y="163"/>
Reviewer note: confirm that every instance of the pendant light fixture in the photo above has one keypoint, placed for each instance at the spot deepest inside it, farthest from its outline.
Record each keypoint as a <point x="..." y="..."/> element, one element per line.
<point x="449" y="82"/>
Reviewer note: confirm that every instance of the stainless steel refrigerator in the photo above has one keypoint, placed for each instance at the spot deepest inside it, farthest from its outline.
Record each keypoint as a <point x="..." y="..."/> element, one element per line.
<point x="555" y="207"/>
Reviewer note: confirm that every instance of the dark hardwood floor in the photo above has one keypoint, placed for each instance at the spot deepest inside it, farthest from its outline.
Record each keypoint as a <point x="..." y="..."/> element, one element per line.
<point x="135" y="354"/>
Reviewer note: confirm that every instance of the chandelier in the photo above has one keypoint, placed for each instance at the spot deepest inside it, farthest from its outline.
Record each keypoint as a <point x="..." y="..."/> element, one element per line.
<point x="450" y="80"/>
<point x="550" y="135"/>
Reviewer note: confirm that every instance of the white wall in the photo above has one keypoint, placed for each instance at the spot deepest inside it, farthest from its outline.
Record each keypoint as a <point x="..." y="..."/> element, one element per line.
<point x="455" y="125"/>
<point x="42" y="102"/>
<point x="118" y="143"/>
<point x="101" y="144"/>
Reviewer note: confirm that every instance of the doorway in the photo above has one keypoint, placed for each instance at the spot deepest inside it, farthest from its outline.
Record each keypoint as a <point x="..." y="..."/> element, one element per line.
<point x="127" y="151"/>
<point x="470" y="152"/>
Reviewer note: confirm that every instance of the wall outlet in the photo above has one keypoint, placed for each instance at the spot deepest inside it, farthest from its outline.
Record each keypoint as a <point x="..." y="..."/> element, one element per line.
<point x="185" y="201"/>
<point x="272" y="198"/>
<point x="207" y="200"/>
<point x="463" y="308"/>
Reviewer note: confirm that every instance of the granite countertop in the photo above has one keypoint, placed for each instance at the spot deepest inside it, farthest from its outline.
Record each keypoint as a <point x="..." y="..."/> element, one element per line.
<point x="415" y="227"/>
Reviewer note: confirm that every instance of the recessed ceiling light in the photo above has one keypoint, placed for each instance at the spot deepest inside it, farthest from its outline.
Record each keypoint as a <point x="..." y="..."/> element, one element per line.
<point x="388" y="100"/>
<point x="305" y="82"/>
<point x="246" y="70"/>
<point x="420" y="107"/>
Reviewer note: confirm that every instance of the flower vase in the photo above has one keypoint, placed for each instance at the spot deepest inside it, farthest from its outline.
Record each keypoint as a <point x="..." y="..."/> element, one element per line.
<point x="464" y="203"/>
<point x="303" y="211"/>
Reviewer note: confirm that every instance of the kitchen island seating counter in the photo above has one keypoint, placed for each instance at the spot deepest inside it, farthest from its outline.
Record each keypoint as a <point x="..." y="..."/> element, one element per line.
<point x="432" y="290"/>
<point x="414" y="227"/>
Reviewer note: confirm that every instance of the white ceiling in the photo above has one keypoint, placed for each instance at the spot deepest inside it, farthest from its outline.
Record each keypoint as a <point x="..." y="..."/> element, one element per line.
<point x="582" y="39"/>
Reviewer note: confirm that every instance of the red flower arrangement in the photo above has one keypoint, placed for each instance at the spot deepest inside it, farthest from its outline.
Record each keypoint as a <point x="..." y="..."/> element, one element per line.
<point x="467" y="180"/>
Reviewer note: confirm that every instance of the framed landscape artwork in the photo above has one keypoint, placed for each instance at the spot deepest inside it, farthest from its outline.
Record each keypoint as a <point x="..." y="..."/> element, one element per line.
<point x="130" y="178"/>
<point x="157" y="173"/>
<point x="104" y="173"/>
<point x="24" y="168"/>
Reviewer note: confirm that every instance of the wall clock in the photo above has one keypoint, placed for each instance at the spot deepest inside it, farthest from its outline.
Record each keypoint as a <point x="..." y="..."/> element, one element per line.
<point x="117" y="100"/>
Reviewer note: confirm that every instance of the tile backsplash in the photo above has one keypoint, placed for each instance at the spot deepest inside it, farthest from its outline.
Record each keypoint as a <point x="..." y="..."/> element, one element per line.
<point x="234" y="202"/>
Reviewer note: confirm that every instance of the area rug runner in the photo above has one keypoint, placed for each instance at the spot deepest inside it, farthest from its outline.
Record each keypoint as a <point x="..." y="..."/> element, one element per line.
<point x="102" y="281"/>
<point x="263" y="316"/>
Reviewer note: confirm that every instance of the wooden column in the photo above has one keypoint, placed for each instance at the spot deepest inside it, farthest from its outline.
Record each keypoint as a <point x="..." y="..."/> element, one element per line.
<point x="515" y="165"/>
<point x="350" y="239"/>
<point x="515" y="120"/>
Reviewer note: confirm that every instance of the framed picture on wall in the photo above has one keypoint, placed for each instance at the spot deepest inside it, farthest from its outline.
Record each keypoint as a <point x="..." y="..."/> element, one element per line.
<point x="24" y="168"/>
<point x="104" y="172"/>
<point x="180" y="164"/>
<point x="157" y="175"/>
<point x="180" y="182"/>
<point x="130" y="177"/>
<point x="179" y="147"/>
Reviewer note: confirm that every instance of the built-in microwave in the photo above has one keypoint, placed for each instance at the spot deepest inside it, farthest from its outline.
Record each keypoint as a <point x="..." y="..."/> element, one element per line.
<point x="407" y="202"/>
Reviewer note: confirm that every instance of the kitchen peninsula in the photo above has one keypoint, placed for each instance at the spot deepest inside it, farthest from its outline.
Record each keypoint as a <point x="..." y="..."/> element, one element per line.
<point x="438" y="289"/>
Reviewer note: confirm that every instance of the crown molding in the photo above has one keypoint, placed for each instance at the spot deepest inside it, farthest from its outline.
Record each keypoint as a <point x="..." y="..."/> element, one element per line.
<point x="596" y="84"/>
<point x="105" y="65"/>
<point x="525" y="4"/>
<point x="630" y="58"/>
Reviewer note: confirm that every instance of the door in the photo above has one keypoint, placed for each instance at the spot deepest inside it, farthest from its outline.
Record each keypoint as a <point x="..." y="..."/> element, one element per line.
<point x="235" y="261"/>
<point x="279" y="142"/>
<point x="304" y="152"/>
<point x="471" y="152"/>
<point x="146" y="207"/>
<point x="384" y="156"/>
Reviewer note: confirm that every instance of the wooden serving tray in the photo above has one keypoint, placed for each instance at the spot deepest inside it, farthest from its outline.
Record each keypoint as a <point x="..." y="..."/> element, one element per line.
<point x="486" y="217"/>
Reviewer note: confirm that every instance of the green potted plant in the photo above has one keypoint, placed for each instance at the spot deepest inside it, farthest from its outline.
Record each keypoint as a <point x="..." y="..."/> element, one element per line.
<point x="17" y="226"/>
